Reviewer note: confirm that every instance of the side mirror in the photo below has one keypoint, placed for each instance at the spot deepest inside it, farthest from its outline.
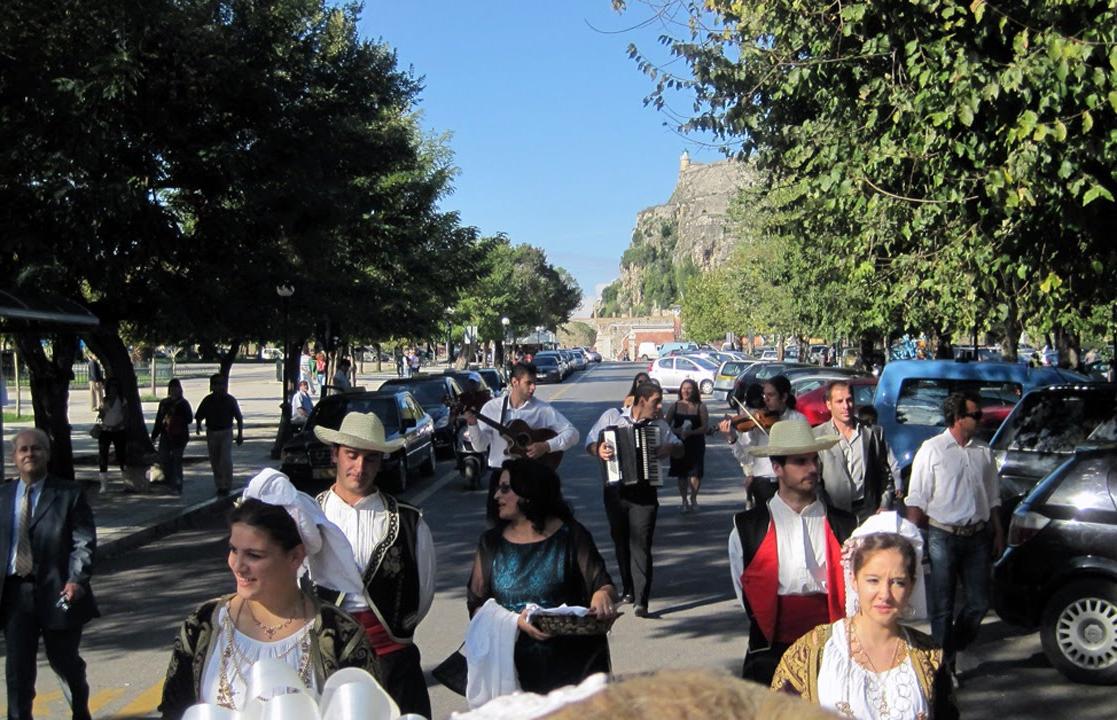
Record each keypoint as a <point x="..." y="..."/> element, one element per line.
<point x="408" y="423"/>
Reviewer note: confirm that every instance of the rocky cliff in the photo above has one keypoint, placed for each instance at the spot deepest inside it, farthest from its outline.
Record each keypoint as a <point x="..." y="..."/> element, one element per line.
<point x="689" y="233"/>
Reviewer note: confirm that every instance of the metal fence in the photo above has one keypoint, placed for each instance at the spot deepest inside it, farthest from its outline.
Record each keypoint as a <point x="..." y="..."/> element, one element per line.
<point x="164" y="371"/>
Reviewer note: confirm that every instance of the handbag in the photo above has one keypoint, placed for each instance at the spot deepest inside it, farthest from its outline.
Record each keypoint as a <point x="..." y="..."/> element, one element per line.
<point x="453" y="672"/>
<point x="95" y="431"/>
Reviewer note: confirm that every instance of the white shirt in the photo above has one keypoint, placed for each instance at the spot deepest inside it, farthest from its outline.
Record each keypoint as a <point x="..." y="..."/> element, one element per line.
<point x="536" y="413"/>
<point x="952" y="484"/>
<point x="759" y="466"/>
<point x="365" y="525"/>
<point x="616" y="416"/>
<point x="800" y="547"/>
<point x="842" y="680"/>
<point x="853" y="452"/>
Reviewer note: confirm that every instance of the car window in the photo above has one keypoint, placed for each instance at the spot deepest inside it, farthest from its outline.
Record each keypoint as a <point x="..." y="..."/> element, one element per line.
<point x="329" y="414"/>
<point x="1086" y="486"/>
<point x="430" y="392"/>
<point x="863" y="394"/>
<point x="706" y="364"/>
<point x="684" y="364"/>
<point x="1058" y="422"/>
<point x="546" y="362"/>
<point x="768" y="371"/>
<point x="920" y="400"/>
<point x="732" y="368"/>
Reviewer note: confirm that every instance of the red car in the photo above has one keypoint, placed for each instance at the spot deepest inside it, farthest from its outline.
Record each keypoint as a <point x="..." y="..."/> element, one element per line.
<point x="813" y="403"/>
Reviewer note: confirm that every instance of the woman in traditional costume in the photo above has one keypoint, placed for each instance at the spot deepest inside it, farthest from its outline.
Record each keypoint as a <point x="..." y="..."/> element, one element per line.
<point x="539" y="555"/>
<point x="868" y="665"/>
<point x="271" y="533"/>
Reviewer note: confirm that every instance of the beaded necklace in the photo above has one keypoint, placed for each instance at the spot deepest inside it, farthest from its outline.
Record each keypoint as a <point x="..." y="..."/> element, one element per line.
<point x="236" y="658"/>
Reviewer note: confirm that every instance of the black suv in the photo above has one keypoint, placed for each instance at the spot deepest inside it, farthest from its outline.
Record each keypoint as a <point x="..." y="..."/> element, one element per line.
<point x="435" y="393"/>
<point x="308" y="462"/>
<point x="1060" y="570"/>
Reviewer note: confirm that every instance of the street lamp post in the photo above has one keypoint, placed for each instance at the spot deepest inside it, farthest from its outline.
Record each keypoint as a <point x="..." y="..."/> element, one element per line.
<point x="505" y="322"/>
<point x="285" y="292"/>
<point x="449" y="336"/>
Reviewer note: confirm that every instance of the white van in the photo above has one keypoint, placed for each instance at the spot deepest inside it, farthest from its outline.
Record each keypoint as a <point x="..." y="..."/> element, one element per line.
<point x="647" y="351"/>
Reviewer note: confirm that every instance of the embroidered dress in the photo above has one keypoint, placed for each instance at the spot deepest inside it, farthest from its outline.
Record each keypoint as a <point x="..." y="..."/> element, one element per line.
<point x="233" y="653"/>
<point x="853" y="691"/>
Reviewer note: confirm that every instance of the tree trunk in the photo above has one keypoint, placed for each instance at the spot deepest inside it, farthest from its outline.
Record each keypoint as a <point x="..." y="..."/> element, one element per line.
<point x="50" y="394"/>
<point x="111" y="351"/>
<point x="228" y="358"/>
<point x="291" y="357"/>
<point x="1067" y="343"/>
<point x="1009" y="348"/>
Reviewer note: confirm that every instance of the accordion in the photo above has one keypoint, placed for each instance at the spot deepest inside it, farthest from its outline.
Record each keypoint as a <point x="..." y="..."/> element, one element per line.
<point x="634" y="455"/>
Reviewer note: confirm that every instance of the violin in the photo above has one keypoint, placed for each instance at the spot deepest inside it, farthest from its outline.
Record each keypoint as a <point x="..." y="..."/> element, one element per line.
<point x="764" y="419"/>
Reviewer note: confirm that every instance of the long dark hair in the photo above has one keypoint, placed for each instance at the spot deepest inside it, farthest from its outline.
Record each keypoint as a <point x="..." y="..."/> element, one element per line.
<point x="540" y="492"/>
<point x="783" y="387"/>
<point x="637" y="382"/>
<point x="271" y="519"/>
<point x="696" y="397"/>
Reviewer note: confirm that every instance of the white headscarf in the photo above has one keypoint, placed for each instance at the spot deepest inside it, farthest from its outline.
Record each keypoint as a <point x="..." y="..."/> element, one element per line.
<point x="888" y="522"/>
<point x="328" y="553"/>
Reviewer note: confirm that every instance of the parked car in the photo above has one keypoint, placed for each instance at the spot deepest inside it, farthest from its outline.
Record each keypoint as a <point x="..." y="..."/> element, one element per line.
<point x="549" y="370"/>
<point x="494" y="378"/>
<point x="564" y="366"/>
<point x="727" y="375"/>
<point x="595" y="356"/>
<point x="1059" y="572"/>
<point x="761" y="371"/>
<point x="1099" y="369"/>
<point x="433" y="392"/>
<point x="1045" y="428"/>
<point x="577" y="359"/>
<point x="461" y="376"/>
<point x="686" y="347"/>
<point x="307" y="460"/>
<point x="813" y="402"/>
<point x="670" y="372"/>
<point x="910" y="394"/>
<point x="647" y="351"/>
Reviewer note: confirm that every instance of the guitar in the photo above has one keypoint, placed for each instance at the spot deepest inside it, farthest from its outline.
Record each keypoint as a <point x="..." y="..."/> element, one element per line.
<point x="519" y="435"/>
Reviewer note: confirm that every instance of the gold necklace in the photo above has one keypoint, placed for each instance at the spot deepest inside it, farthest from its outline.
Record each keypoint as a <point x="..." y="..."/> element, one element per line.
<point x="269" y="630"/>
<point x="844" y="707"/>
<point x="225" y="694"/>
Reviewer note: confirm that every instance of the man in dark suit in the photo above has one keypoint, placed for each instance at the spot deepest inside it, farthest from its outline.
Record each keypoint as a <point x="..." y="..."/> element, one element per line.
<point x="47" y="539"/>
<point x="857" y="471"/>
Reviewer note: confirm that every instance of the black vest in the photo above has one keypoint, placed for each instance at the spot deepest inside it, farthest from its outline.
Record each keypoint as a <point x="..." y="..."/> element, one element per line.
<point x="391" y="577"/>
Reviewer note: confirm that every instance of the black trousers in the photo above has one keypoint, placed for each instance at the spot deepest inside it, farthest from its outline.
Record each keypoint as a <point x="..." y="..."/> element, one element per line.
<point x="119" y="440"/>
<point x="21" y="635"/>
<point x="402" y="675"/>
<point x="632" y="524"/>
<point x="760" y="665"/>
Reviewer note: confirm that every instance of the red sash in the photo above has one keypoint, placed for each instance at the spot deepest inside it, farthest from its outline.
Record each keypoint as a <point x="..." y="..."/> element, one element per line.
<point x="378" y="637"/>
<point x="792" y="616"/>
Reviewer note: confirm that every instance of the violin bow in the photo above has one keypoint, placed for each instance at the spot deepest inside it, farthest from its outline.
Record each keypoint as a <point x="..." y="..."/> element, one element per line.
<point x="746" y="411"/>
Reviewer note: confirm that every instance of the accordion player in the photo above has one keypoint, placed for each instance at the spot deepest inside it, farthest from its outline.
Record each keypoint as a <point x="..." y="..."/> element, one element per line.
<point x="635" y="454"/>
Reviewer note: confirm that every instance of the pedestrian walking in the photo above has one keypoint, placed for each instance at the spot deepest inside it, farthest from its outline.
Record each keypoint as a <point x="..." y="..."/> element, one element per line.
<point x="112" y="419"/>
<point x="391" y="545"/>
<point x="172" y="431"/>
<point x="342" y="382"/>
<point x="954" y="492"/>
<point x="321" y="362"/>
<point x="301" y="405"/>
<point x="632" y="506"/>
<point x="96" y="383"/>
<point x="689" y="419"/>
<point x="47" y="540"/>
<point x="218" y="410"/>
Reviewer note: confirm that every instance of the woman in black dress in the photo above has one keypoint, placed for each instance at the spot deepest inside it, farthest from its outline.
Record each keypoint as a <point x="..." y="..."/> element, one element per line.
<point x="538" y="553"/>
<point x="689" y="419"/>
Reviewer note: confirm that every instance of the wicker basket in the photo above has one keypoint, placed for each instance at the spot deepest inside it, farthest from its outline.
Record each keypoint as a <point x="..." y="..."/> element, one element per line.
<point x="572" y="624"/>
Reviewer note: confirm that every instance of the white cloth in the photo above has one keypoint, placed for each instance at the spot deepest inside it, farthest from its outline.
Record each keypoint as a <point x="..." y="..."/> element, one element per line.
<point x="328" y="554"/>
<point x="891" y="522"/>
<point x="616" y="416"/>
<point x="365" y="525"/>
<point x="952" y="484"/>
<point x="528" y="706"/>
<point x="842" y="680"/>
<point x="247" y="652"/>
<point x="800" y="547"/>
<point x="301" y="407"/>
<point x="490" y="649"/>
<point x="536" y="413"/>
<point x="759" y="466"/>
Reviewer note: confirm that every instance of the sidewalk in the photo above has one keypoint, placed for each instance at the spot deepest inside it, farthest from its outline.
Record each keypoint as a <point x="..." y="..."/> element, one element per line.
<point x="125" y="521"/>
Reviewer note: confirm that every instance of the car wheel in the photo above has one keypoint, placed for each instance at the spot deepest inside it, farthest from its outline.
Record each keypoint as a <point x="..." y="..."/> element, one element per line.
<point x="428" y="466"/>
<point x="1079" y="631"/>
<point x="706" y="387"/>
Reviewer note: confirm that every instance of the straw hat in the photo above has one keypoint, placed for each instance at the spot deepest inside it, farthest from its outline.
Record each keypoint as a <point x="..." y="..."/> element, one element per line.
<point x="362" y="431"/>
<point x="793" y="437"/>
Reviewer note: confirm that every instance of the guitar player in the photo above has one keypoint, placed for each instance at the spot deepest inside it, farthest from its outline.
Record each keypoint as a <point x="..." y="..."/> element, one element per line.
<point x="519" y="403"/>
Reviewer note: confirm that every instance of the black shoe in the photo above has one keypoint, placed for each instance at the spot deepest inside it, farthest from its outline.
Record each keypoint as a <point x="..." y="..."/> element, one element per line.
<point x="640" y="611"/>
<point x="628" y="598"/>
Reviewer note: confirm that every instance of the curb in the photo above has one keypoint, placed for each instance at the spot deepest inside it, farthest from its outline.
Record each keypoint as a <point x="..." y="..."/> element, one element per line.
<point x="125" y="542"/>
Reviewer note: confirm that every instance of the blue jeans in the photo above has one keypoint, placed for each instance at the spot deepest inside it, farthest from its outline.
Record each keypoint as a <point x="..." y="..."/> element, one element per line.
<point x="170" y="459"/>
<point x="956" y="558"/>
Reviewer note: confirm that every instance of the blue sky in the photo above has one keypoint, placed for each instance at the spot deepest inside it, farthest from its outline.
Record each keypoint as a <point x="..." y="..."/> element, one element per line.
<point x="549" y="131"/>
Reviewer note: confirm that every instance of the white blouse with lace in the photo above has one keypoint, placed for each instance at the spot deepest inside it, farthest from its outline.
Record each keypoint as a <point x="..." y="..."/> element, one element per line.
<point x="852" y="691"/>
<point x="226" y="671"/>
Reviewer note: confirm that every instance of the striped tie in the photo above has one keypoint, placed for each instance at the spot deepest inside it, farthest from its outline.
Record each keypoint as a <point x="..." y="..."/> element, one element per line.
<point x="24" y="562"/>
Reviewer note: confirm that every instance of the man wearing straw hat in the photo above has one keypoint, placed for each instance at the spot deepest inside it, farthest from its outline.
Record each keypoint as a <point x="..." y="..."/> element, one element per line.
<point x="392" y="546"/>
<point x="785" y="555"/>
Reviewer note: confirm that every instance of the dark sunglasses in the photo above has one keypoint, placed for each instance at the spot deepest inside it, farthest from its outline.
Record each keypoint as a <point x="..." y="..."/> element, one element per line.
<point x="976" y="415"/>
<point x="504" y="488"/>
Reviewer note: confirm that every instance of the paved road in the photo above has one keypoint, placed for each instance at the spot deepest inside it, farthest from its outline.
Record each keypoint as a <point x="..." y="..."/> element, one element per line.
<point x="145" y="594"/>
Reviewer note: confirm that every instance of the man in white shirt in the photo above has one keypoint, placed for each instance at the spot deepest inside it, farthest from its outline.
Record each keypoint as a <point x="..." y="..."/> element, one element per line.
<point x="301" y="404"/>
<point x="632" y="508"/>
<point x="785" y="555"/>
<point x="760" y="479"/>
<point x="954" y="492"/>
<point x="393" y="548"/>
<point x="519" y="403"/>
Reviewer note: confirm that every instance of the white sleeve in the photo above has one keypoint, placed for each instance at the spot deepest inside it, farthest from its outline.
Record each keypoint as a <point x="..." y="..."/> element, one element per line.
<point x="607" y="418"/>
<point x="736" y="564"/>
<point x="921" y="484"/>
<point x="474" y="433"/>
<point x="424" y="551"/>
<point x="567" y="434"/>
<point x="992" y="480"/>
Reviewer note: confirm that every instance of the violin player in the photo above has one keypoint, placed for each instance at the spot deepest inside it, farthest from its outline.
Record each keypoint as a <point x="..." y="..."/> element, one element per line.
<point x="519" y="403"/>
<point x="779" y="404"/>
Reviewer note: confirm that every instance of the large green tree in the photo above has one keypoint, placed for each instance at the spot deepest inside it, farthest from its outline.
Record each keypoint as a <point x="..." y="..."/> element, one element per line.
<point x="958" y="160"/>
